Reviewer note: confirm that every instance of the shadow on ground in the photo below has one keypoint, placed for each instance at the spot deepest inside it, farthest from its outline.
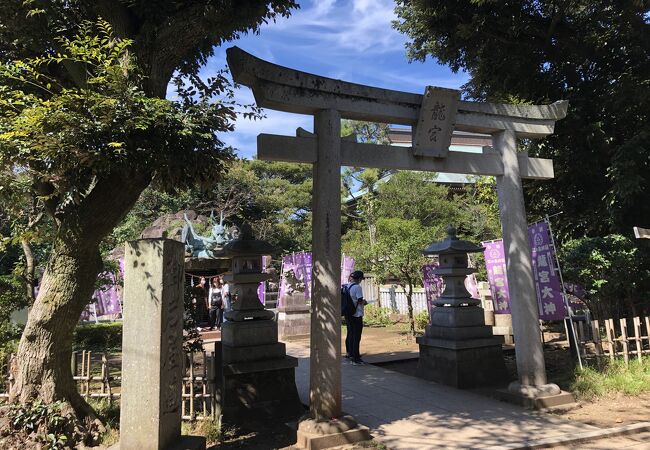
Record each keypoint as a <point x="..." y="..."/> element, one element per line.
<point x="257" y="435"/>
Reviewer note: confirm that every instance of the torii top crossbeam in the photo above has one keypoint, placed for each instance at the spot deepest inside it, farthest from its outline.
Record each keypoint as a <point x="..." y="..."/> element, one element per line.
<point x="290" y="90"/>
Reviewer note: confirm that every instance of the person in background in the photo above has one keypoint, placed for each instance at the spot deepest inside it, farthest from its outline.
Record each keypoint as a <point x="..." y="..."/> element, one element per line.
<point x="355" y="321"/>
<point x="225" y="295"/>
<point x="199" y="298"/>
<point x="215" y="306"/>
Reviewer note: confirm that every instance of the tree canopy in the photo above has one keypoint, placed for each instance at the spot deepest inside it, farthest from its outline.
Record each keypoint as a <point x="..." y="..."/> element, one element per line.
<point x="594" y="54"/>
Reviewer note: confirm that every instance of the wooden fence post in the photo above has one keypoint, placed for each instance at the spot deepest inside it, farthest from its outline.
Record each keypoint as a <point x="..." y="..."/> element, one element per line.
<point x="595" y="332"/>
<point x="624" y="341"/>
<point x="637" y="337"/>
<point x="609" y="332"/>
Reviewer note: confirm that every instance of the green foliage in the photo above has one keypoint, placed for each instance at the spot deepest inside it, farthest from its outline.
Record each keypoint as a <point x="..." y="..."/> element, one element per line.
<point x="374" y="316"/>
<point x="403" y="214"/>
<point x="614" y="378"/>
<point x="52" y="428"/>
<point x="421" y="320"/>
<point x="213" y="430"/>
<point x="614" y="271"/>
<point x="66" y="138"/>
<point x="12" y="298"/>
<point x="274" y="197"/>
<point x="98" y="337"/>
<point x="366" y="132"/>
<point x="594" y="54"/>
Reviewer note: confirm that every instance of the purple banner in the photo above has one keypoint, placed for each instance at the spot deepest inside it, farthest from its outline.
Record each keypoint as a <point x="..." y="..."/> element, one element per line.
<point x="433" y="284"/>
<point x="347" y="267"/>
<point x="307" y="274"/>
<point x="301" y="265"/>
<point x="261" y="289"/>
<point x="106" y="300"/>
<point x="287" y="264"/>
<point x="495" y="264"/>
<point x="546" y="275"/>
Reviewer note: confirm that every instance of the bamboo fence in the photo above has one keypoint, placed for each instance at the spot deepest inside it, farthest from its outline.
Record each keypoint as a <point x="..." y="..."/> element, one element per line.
<point x="95" y="380"/>
<point x="628" y="338"/>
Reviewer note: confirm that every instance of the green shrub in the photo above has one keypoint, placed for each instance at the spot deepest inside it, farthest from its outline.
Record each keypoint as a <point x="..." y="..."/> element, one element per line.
<point x="45" y="422"/>
<point x="421" y="320"/>
<point x="98" y="337"/>
<point x="374" y="316"/>
<point x="615" y="377"/>
<point x="9" y="338"/>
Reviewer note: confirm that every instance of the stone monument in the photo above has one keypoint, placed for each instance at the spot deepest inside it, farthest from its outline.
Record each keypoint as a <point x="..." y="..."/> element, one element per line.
<point x="152" y="348"/>
<point x="257" y="375"/>
<point x="294" y="316"/>
<point x="457" y="348"/>
<point x="294" y="313"/>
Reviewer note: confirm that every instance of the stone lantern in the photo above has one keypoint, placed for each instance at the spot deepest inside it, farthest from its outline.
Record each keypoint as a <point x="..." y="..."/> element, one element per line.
<point x="457" y="348"/>
<point x="258" y="377"/>
<point x="245" y="277"/>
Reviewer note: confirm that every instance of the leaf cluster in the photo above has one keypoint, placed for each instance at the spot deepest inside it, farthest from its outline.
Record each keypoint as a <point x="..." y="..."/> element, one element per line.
<point x="59" y="141"/>
<point x="409" y="211"/>
<point x="594" y="54"/>
<point x="614" y="271"/>
<point x="44" y="422"/>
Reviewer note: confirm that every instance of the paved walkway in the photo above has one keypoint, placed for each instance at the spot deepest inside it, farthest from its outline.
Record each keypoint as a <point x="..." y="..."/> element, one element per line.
<point x="405" y="412"/>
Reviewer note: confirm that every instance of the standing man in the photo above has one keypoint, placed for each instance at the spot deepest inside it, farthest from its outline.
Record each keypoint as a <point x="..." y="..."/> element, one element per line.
<point x="355" y="321"/>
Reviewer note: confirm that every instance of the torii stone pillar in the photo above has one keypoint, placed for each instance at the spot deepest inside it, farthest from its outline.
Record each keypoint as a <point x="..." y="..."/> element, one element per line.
<point x="531" y="368"/>
<point x="325" y="343"/>
<point x="433" y="117"/>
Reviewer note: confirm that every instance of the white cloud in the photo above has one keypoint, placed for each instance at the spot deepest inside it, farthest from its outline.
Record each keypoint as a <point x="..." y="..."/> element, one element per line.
<point x="352" y="40"/>
<point x="244" y="139"/>
<point x="357" y="25"/>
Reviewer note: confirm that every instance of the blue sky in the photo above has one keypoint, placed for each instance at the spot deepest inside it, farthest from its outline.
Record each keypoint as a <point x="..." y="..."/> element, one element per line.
<point x="350" y="40"/>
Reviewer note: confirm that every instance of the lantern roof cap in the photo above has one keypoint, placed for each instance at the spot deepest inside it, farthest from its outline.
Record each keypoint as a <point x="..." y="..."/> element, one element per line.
<point x="451" y="244"/>
<point x="248" y="245"/>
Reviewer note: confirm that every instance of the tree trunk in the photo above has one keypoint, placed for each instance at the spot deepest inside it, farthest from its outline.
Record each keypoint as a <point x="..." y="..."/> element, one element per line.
<point x="43" y="359"/>
<point x="30" y="268"/>
<point x="46" y="345"/>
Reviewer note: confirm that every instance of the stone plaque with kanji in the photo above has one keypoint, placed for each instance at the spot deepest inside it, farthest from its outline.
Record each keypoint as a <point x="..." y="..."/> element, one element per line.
<point x="432" y="135"/>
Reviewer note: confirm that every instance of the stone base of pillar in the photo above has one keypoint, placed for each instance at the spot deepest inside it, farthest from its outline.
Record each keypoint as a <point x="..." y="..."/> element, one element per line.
<point x="257" y="376"/>
<point x="459" y="350"/>
<point x="546" y="397"/>
<point x="462" y="364"/>
<point x="317" y="435"/>
<point x="184" y="443"/>
<point x="261" y="389"/>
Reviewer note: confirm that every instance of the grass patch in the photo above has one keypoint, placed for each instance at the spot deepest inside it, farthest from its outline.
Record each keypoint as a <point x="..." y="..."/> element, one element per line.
<point x="109" y="412"/>
<point x="613" y="377"/>
<point x="213" y="430"/>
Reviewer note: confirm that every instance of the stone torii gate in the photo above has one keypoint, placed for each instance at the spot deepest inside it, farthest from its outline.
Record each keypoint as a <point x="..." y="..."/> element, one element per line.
<point x="433" y="117"/>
